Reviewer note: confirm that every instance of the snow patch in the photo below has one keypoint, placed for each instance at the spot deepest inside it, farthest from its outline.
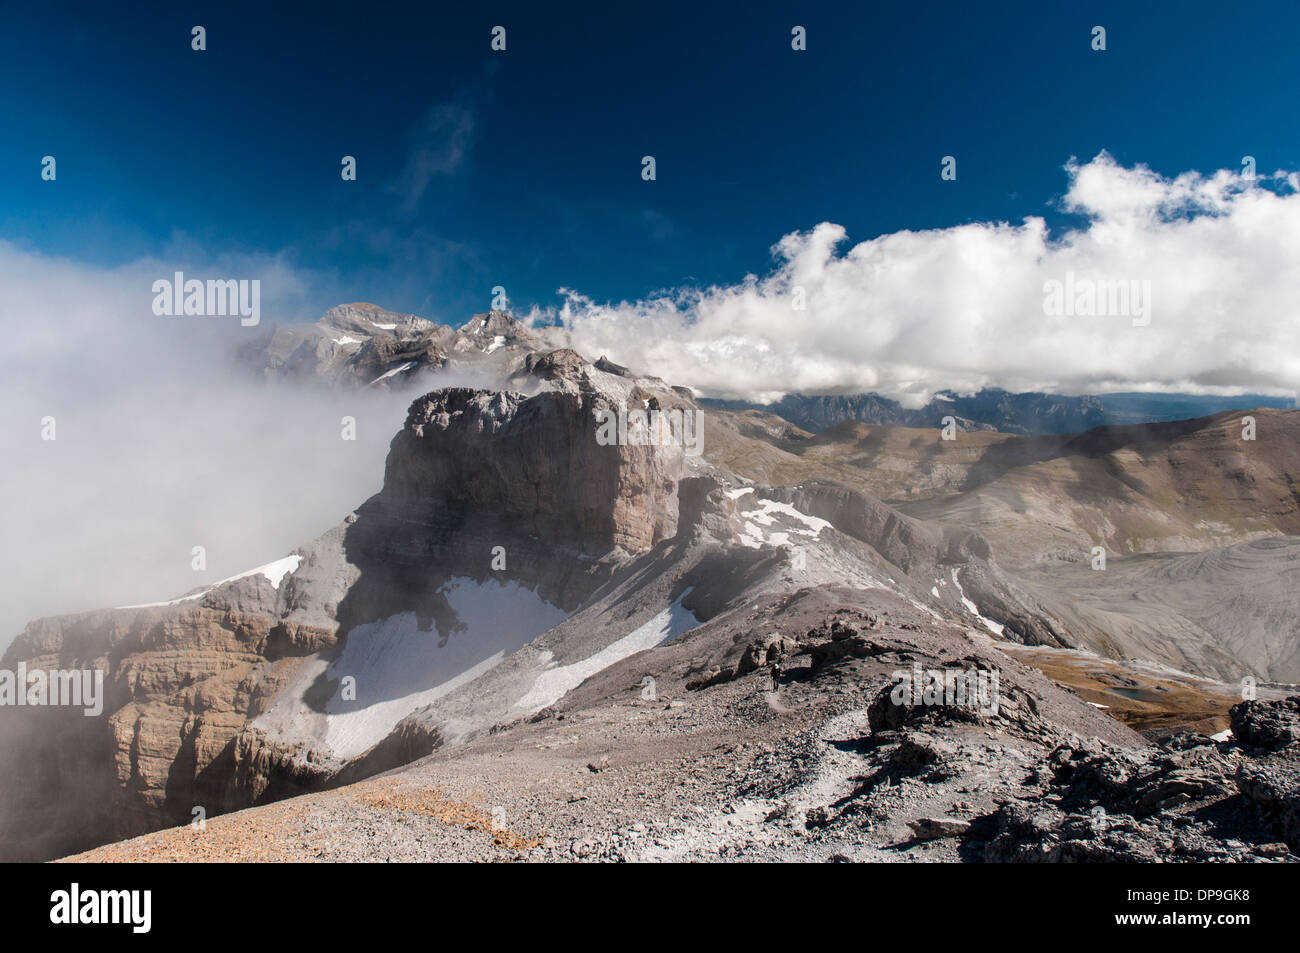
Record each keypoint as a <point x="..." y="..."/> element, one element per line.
<point x="400" y="667"/>
<point x="767" y="514"/>
<point x="767" y="508"/>
<point x="396" y="370"/>
<point x="555" y="683"/>
<point x="995" y="627"/>
<point x="273" y="571"/>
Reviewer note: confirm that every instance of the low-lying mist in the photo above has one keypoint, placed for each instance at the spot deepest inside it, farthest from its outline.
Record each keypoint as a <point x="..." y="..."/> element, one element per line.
<point x="161" y="443"/>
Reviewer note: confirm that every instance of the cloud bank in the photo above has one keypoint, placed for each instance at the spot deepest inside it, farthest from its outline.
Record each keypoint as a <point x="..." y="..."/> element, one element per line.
<point x="962" y="308"/>
<point x="162" y="442"/>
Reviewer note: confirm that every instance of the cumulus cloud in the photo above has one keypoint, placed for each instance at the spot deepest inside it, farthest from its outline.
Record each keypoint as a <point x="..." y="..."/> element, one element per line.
<point x="961" y="308"/>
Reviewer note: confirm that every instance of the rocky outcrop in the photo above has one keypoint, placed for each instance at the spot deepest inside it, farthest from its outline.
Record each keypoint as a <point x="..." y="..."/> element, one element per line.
<point x="535" y="460"/>
<point x="470" y="472"/>
<point x="1271" y="725"/>
<point x="363" y="345"/>
<point x="1189" y="799"/>
<point x="179" y="684"/>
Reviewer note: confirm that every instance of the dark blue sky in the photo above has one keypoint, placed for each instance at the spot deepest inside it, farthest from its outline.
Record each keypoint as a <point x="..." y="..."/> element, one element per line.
<point x="529" y="160"/>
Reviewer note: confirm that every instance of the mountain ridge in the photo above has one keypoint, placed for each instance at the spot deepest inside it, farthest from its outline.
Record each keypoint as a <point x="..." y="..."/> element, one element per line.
<point x="517" y="570"/>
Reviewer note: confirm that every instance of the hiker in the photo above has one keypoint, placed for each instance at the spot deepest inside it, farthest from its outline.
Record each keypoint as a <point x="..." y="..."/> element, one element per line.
<point x="776" y="675"/>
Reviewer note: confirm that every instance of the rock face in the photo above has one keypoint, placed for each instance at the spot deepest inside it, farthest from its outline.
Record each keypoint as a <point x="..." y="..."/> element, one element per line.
<point x="535" y="461"/>
<point x="363" y="345"/>
<point x="471" y="471"/>
<point x="180" y="684"/>
<point x="1174" y="802"/>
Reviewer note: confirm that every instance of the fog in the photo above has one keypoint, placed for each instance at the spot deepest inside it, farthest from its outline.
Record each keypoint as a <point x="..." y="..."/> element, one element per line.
<point x="162" y="443"/>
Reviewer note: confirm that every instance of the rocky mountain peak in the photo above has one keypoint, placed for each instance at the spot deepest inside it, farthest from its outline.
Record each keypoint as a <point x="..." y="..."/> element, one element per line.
<point x="535" y="460"/>
<point x="492" y="324"/>
<point x="369" y="319"/>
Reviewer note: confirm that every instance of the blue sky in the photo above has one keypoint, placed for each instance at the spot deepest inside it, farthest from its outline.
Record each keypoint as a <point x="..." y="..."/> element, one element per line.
<point x="522" y="168"/>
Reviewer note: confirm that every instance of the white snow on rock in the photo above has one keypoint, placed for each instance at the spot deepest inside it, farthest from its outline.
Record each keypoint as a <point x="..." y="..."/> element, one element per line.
<point x="384" y="327"/>
<point x="274" y="571"/>
<point x="751" y="536"/>
<point x="170" y="602"/>
<point x="767" y="514"/>
<point x="1224" y="735"/>
<point x="347" y="340"/>
<point x="396" y="370"/>
<point x="995" y="627"/>
<point x="497" y="341"/>
<point x="400" y="667"/>
<point x="766" y="509"/>
<point x="555" y="683"/>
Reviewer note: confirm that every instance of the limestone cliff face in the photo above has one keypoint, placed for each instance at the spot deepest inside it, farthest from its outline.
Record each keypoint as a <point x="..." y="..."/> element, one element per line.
<point x="180" y="683"/>
<point x="535" y="460"/>
<point x="183" y="682"/>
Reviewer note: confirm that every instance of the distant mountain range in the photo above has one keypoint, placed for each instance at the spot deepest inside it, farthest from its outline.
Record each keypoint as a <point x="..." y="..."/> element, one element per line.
<point x="995" y="409"/>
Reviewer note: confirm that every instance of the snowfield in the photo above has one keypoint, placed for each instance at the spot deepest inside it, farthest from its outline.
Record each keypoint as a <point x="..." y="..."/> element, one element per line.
<point x="399" y="667"/>
<point x="274" y="571"/>
<point x="555" y="683"/>
<point x="766" y="515"/>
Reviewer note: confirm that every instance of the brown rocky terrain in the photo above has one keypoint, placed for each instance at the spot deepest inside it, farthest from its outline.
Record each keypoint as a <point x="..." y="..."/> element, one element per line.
<point x="187" y="680"/>
<point x="524" y="602"/>
<point x="1197" y="524"/>
<point x="715" y="765"/>
<point x="1178" y="486"/>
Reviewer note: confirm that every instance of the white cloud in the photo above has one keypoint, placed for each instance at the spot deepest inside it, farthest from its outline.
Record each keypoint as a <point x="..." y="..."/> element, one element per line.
<point x="909" y="313"/>
<point x="161" y="444"/>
